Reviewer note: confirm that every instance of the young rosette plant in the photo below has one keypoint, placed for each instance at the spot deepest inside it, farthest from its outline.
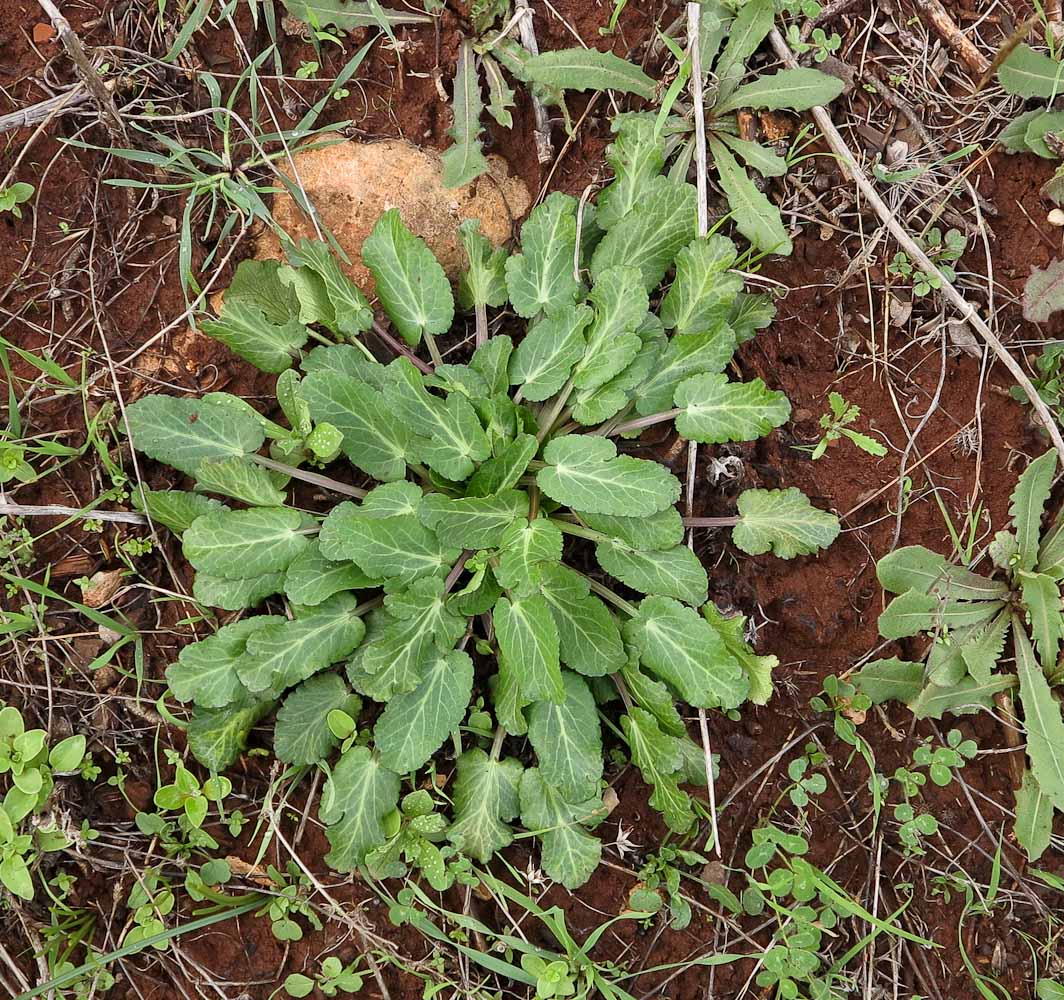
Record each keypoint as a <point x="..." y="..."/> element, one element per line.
<point x="968" y="618"/>
<point x="27" y="769"/>
<point x="467" y="578"/>
<point x="727" y="41"/>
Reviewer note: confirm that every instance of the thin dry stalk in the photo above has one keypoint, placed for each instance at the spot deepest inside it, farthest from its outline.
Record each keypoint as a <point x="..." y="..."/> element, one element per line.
<point x="953" y="36"/>
<point x="544" y="149"/>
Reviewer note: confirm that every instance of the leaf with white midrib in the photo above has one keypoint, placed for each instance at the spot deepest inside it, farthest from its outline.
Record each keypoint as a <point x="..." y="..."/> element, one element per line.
<point x="676" y="644"/>
<point x="302" y="735"/>
<point x="204" y="672"/>
<point x="1028" y="501"/>
<point x="540" y="278"/>
<point x="714" y="410"/>
<point x="567" y="740"/>
<point x="1041" y="718"/>
<point x="357" y="796"/>
<point x="528" y="639"/>
<point x="464" y="161"/>
<point x="241" y="544"/>
<point x="783" y="521"/>
<point x="588" y="69"/>
<point x="373" y="440"/>
<point x="794" y="89"/>
<point x="674" y="572"/>
<point x="586" y="473"/>
<point x="589" y="637"/>
<point x="485" y="800"/>
<point x="284" y="654"/>
<point x="570" y="854"/>
<point x="657" y="757"/>
<point x="755" y="216"/>
<point x="545" y="357"/>
<point x="1034" y="817"/>
<point x="414" y="725"/>
<point x="241" y="479"/>
<point x="183" y="432"/>
<point x="411" y="284"/>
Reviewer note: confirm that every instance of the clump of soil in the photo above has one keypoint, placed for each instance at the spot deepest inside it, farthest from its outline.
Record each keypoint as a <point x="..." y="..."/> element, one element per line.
<point x="353" y="183"/>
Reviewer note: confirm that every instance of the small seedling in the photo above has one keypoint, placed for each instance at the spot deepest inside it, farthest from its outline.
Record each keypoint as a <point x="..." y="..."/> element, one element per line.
<point x="333" y="979"/>
<point x="943" y="251"/>
<point x="836" y="426"/>
<point x="28" y="768"/>
<point x="13" y="196"/>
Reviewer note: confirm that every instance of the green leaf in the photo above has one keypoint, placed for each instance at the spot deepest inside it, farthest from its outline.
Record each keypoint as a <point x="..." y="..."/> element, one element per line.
<point x="344" y="359"/>
<point x="205" y="671"/>
<point x="1034" y="817"/>
<point x="347" y="15"/>
<point x="241" y="479"/>
<point x="758" y="669"/>
<point x="637" y="155"/>
<point x="485" y="800"/>
<point x="1028" y="502"/>
<point x="651" y="235"/>
<point x="1041" y="719"/>
<point x="657" y="756"/>
<point x="686" y="355"/>
<point x="1050" y="552"/>
<point x="245" y="329"/>
<point x="242" y="544"/>
<point x="464" y="161"/>
<point x="914" y="567"/>
<point x="964" y="698"/>
<point x="755" y="216"/>
<point x="397" y="546"/>
<point x="749" y="314"/>
<point x="484" y="281"/>
<point x="570" y="854"/>
<point x="235" y="595"/>
<point x="311" y="578"/>
<point x="908" y="614"/>
<point x="414" y="725"/>
<point x="404" y="640"/>
<point x="982" y="650"/>
<point x="216" y="737"/>
<point x="588" y="69"/>
<point x="586" y="474"/>
<point x="588" y="636"/>
<point x="500" y="93"/>
<point x="526" y="550"/>
<point x="504" y="470"/>
<point x="411" y="284"/>
<point x="528" y="639"/>
<point x="284" y="654"/>
<point x="1027" y="73"/>
<point x="1041" y="597"/>
<point x="753" y="154"/>
<point x="675" y="572"/>
<point x="890" y="680"/>
<point x="620" y="304"/>
<point x="662" y="530"/>
<point x="357" y="796"/>
<point x="655" y="697"/>
<point x="676" y="644"/>
<point x="1043" y="292"/>
<point x="351" y="312"/>
<point x="783" y="521"/>
<point x="491" y="360"/>
<point x="174" y="509"/>
<point x="704" y="288"/>
<point x="793" y="89"/>
<point x="540" y="278"/>
<point x="302" y="734"/>
<point x="452" y="438"/>
<point x="183" y="432"/>
<point x="567" y="740"/>
<point x="473" y="522"/>
<point x="714" y="410"/>
<point x="749" y="29"/>
<point x="545" y="357"/>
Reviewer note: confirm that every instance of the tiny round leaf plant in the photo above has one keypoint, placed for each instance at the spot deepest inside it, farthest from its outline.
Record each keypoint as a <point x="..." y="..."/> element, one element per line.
<point x="455" y="578"/>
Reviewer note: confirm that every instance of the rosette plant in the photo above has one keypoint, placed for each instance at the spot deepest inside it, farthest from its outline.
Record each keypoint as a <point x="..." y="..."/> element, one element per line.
<point x="502" y="569"/>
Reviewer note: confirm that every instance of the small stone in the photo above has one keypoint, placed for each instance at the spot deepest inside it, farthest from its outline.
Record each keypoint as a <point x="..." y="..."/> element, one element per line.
<point x="1056" y="217"/>
<point x="351" y="184"/>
